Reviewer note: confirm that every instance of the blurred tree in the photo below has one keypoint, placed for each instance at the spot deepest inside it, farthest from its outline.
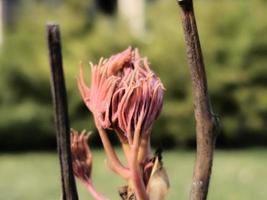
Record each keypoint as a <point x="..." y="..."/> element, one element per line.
<point x="234" y="50"/>
<point x="107" y="6"/>
<point x="1" y="22"/>
<point x="133" y="12"/>
<point x="10" y="10"/>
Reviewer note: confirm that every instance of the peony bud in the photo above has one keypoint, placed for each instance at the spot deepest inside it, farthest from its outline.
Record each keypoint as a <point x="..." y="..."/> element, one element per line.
<point x="81" y="155"/>
<point x="125" y="94"/>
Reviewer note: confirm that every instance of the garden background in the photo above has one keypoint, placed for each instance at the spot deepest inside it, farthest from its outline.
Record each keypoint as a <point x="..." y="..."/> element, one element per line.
<point x="234" y="43"/>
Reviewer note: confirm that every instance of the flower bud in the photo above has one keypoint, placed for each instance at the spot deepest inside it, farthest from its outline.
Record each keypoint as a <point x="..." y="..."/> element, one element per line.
<point x="81" y="155"/>
<point x="125" y="94"/>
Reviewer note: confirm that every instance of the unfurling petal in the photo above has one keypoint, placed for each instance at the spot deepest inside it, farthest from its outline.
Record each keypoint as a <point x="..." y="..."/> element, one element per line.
<point x="124" y="91"/>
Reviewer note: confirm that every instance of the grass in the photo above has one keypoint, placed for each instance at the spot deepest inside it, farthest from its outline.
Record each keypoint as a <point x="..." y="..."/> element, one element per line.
<point x="237" y="175"/>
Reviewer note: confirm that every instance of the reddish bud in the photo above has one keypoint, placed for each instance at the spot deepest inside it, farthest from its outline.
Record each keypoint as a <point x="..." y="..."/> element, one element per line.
<point x="125" y="94"/>
<point x="81" y="155"/>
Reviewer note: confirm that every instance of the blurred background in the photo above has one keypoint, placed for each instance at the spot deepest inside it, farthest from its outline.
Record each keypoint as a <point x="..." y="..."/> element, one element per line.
<point x="234" y="43"/>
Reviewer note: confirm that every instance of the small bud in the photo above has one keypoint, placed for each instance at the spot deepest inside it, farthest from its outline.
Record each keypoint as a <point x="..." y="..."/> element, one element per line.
<point x="81" y="155"/>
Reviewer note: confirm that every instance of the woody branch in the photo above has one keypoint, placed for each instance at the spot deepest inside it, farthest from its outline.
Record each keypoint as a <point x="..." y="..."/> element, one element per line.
<point x="59" y="96"/>
<point x="206" y="122"/>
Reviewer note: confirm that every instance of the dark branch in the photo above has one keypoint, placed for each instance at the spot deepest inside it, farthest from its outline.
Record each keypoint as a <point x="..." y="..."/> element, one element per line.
<point x="206" y="122"/>
<point x="61" y="113"/>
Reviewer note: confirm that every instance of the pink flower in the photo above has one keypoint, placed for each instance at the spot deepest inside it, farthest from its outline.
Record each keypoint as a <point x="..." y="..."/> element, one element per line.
<point x="125" y="94"/>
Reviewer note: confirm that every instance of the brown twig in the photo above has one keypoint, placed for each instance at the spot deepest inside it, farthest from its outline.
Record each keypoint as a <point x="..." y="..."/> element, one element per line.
<point x="206" y="122"/>
<point x="61" y="113"/>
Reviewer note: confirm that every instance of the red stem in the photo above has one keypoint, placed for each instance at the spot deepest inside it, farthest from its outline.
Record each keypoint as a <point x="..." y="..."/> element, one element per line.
<point x="97" y="196"/>
<point x="137" y="180"/>
<point x="113" y="159"/>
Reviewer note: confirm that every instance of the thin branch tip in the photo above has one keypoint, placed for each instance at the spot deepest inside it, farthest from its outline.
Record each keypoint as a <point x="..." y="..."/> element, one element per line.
<point x="186" y="5"/>
<point x="52" y="24"/>
<point x="59" y="97"/>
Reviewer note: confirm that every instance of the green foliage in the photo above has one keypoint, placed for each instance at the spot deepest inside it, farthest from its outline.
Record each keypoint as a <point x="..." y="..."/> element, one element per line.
<point x="234" y="45"/>
<point x="237" y="175"/>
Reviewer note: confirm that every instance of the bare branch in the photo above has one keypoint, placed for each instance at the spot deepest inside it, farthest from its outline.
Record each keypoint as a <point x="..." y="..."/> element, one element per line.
<point x="206" y="122"/>
<point x="61" y="113"/>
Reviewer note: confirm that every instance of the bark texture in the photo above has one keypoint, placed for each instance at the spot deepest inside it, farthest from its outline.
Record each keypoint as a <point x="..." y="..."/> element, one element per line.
<point x="206" y="122"/>
<point x="69" y="191"/>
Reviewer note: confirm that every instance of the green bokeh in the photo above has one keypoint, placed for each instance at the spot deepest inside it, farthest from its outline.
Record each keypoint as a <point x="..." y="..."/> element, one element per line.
<point x="233" y="36"/>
